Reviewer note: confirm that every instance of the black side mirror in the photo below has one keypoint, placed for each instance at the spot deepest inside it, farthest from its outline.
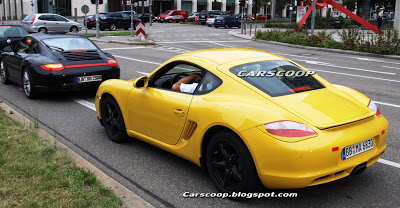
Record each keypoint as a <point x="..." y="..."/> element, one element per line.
<point x="8" y="49"/>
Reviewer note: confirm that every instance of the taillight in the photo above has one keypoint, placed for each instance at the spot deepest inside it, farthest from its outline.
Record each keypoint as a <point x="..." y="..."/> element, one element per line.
<point x="53" y="67"/>
<point x="33" y="19"/>
<point x="91" y="20"/>
<point x="223" y="20"/>
<point x="374" y="108"/>
<point x="112" y="62"/>
<point x="289" y="129"/>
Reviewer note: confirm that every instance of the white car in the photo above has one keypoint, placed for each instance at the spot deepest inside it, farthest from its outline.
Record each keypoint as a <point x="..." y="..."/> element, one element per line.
<point x="210" y="21"/>
<point x="45" y="23"/>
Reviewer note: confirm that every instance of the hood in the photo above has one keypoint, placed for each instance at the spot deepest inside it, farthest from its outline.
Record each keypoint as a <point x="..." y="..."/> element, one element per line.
<point x="325" y="107"/>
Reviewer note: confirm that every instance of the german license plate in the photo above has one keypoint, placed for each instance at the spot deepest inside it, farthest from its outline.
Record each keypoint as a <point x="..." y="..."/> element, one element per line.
<point x="357" y="148"/>
<point x="93" y="78"/>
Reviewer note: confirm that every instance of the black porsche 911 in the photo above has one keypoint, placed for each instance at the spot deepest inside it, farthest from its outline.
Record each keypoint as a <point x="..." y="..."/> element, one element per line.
<point x="47" y="63"/>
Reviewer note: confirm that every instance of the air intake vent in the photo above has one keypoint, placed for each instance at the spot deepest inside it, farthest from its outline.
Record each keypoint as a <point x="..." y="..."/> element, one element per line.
<point x="81" y="56"/>
<point x="189" y="130"/>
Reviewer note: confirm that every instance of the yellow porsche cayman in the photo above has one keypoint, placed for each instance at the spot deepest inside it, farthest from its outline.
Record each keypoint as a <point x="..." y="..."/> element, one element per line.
<point x="252" y="118"/>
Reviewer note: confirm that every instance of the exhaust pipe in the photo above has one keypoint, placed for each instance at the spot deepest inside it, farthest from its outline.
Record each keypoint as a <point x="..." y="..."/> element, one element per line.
<point x="359" y="169"/>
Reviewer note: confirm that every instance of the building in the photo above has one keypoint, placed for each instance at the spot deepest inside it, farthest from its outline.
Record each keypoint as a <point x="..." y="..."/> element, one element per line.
<point x="18" y="9"/>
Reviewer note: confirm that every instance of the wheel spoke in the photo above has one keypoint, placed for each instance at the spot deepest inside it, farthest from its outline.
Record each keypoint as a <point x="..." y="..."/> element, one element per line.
<point x="234" y="157"/>
<point x="223" y="152"/>
<point x="236" y="175"/>
<point x="219" y="164"/>
<point x="226" y="178"/>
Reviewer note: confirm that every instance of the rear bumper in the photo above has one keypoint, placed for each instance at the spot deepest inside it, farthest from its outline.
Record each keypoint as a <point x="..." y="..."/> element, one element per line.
<point x="313" y="161"/>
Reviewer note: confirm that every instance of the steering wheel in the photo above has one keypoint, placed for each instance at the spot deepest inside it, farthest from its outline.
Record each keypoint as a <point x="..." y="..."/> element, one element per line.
<point x="178" y="77"/>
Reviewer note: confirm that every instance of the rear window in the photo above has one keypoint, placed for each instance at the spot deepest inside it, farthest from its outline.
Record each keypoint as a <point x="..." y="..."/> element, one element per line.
<point x="29" y="17"/>
<point x="277" y="78"/>
<point x="69" y="44"/>
<point x="12" y="32"/>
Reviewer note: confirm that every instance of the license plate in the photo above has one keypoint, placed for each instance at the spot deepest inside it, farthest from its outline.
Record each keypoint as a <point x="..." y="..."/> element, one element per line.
<point x="358" y="148"/>
<point x="93" y="78"/>
<point x="202" y="16"/>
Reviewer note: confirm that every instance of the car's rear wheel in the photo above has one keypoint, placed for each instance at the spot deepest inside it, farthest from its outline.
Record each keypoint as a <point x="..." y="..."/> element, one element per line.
<point x="216" y="27"/>
<point x="113" y="27"/>
<point x="230" y="164"/>
<point x="209" y="25"/>
<point x="227" y="26"/>
<point x="170" y="20"/>
<point x="28" y="86"/>
<point x="42" y="30"/>
<point x="74" y="29"/>
<point x="126" y="28"/>
<point x="3" y="73"/>
<point x="89" y="28"/>
<point x="113" y="121"/>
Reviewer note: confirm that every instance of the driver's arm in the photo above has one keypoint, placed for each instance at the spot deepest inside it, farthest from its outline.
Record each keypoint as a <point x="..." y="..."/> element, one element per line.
<point x="185" y="80"/>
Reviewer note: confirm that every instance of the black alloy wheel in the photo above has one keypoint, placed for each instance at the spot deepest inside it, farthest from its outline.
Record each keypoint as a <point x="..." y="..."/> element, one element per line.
<point x="230" y="164"/>
<point x="113" y="121"/>
<point x="3" y="73"/>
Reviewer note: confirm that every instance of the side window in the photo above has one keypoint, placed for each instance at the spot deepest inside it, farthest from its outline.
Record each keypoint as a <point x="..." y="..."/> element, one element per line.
<point x="59" y="18"/>
<point x="125" y="15"/>
<point x="209" y="83"/>
<point x="174" y="13"/>
<point x="28" y="45"/>
<point x="173" y="72"/>
<point x="46" y="17"/>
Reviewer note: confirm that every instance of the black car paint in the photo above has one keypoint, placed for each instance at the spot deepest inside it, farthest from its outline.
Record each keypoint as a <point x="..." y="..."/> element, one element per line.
<point x="120" y="22"/>
<point x="14" y="40"/>
<point x="48" y="81"/>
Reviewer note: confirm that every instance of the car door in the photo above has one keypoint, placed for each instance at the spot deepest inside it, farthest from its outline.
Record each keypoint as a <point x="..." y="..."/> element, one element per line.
<point x="14" y="61"/>
<point x="158" y="111"/>
<point x="61" y="23"/>
<point x="48" y="22"/>
<point x="126" y="20"/>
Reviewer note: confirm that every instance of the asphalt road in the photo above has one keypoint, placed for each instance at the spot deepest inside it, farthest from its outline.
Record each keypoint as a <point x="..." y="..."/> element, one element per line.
<point x="161" y="178"/>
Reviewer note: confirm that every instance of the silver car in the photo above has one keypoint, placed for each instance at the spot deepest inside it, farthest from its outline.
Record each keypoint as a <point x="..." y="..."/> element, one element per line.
<point x="45" y="23"/>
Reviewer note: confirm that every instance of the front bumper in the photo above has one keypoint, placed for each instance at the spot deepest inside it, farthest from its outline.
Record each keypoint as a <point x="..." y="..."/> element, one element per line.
<point x="311" y="162"/>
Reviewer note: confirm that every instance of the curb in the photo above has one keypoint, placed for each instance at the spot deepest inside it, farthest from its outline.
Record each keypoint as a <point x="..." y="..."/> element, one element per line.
<point x="129" y="198"/>
<point x="319" y="49"/>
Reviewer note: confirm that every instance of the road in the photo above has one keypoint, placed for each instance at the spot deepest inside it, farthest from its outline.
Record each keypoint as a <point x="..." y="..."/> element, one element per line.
<point x="161" y="178"/>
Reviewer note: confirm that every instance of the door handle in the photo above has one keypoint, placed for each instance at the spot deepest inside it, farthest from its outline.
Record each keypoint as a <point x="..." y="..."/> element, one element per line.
<point x="179" y="112"/>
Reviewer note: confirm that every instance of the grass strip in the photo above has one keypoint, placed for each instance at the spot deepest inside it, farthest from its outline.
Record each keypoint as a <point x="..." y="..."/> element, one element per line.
<point x="35" y="174"/>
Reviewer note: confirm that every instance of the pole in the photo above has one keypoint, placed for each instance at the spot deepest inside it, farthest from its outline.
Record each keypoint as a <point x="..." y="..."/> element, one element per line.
<point x="22" y="10"/>
<point x="142" y="7"/>
<point x="313" y="16"/>
<point x="97" y="20"/>
<point x="150" y="12"/>
<point x="86" y="23"/>
<point x="131" y="18"/>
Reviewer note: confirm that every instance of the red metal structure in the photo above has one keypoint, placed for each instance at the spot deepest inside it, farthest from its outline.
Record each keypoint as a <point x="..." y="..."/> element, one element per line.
<point x="324" y="3"/>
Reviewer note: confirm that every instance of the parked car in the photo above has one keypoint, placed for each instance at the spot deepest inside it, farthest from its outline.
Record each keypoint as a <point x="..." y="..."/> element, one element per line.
<point x="43" y="63"/>
<point x="205" y="14"/>
<point x="193" y="17"/>
<point x="241" y="16"/>
<point x="10" y="35"/>
<point x="45" y="23"/>
<point x="210" y="21"/>
<point x="245" y="124"/>
<point x="173" y="16"/>
<point x="90" y="21"/>
<point x="116" y="20"/>
<point x="129" y="12"/>
<point x="226" y="21"/>
<point x="144" y="17"/>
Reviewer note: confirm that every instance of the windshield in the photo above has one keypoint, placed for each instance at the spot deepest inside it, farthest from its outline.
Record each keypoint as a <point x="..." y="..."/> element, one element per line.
<point x="12" y="32"/>
<point x="277" y="78"/>
<point x="169" y="12"/>
<point x="219" y="17"/>
<point x="69" y="44"/>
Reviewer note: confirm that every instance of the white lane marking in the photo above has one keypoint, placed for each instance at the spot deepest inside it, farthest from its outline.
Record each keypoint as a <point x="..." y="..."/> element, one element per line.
<point x="144" y="73"/>
<point x="85" y="103"/>
<point x="388" y="104"/>
<point x="223" y="45"/>
<point x="125" y="48"/>
<point x="387" y="162"/>
<point x="368" y="59"/>
<point x="285" y="54"/>
<point x="391" y="67"/>
<point x="354" y="75"/>
<point x="132" y="59"/>
<point x="343" y="67"/>
<point x="206" y="41"/>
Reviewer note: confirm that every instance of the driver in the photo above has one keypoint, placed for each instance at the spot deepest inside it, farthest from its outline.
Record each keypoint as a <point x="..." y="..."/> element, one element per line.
<point x="183" y="84"/>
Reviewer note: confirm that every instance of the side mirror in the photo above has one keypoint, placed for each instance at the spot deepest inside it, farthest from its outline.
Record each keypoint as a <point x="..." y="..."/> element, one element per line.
<point x="9" y="41"/>
<point x="8" y="49"/>
<point x="141" y="82"/>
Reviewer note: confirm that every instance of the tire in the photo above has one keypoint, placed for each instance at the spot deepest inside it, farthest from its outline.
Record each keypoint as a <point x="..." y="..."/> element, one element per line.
<point x="4" y="73"/>
<point x="126" y="28"/>
<point x="102" y="28"/>
<point x="74" y="29"/>
<point x="27" y="85"/>
<point x="113" y="121"/>
<point x="89" y="28"/>
<point x="230" y="164"/>
<point x="113" y="27"/>
<point x="216" y="27"/>
<point x="239" y="25"/>
<point x="42" y="30"/>
<point x="203" y="23"/>
<point x="209" y="25"/>
<point x="170" y="21"/>
<point x="227" y="26"/>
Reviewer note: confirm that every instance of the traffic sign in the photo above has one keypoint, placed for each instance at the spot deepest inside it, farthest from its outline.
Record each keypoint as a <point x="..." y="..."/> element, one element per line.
<point x="140" y="29"/>
<point x="85" y="9"/>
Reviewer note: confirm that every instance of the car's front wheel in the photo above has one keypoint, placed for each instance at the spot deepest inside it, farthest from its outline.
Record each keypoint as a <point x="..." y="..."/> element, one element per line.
<point x="27" y="84"/>
<point x="230" y="164"/>
<point x="113" y="121"/>
<point x="74" y="29"/>
<point x="3" y="73"/>
<point x="170" y="20"/>
<point x="113" y="27"/>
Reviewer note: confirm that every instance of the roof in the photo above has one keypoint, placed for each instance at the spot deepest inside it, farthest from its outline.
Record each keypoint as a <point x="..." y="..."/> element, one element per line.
<point x="223" y="55"/>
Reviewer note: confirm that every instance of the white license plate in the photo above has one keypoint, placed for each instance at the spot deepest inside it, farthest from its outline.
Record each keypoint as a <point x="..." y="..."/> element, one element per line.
<point x="358" y="148"/>
<point x="93" y="78"/>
